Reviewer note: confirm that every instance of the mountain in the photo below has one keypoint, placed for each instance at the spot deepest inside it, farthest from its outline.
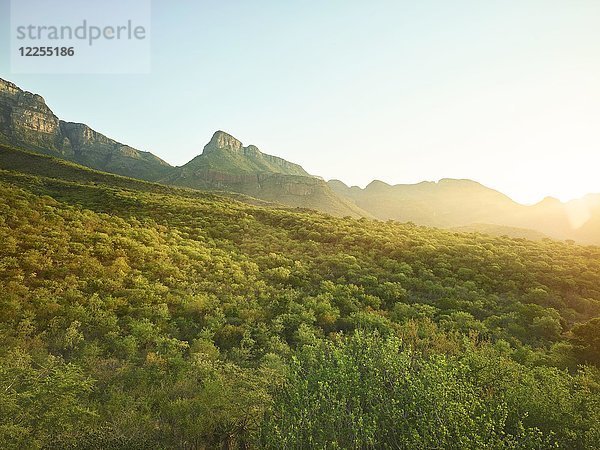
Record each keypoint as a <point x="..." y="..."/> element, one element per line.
<point x="27" y="122"/>
<point x="226" y="164"/>
<point x="227" y="155"/>
<point x="468" y="205"/>
<point x="36" y="164"/>
<point x="448" y="203"/>
<point x="586" y="213"/>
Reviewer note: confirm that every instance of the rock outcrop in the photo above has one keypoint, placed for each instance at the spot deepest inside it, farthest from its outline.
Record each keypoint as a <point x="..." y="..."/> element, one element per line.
<point x="26" y="120"/>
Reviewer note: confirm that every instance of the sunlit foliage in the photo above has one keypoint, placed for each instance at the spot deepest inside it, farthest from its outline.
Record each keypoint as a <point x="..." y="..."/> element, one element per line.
<point x="164" y="318"/>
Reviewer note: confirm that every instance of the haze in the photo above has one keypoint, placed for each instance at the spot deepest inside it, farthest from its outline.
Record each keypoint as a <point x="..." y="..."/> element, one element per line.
<point x="502" y="92"/>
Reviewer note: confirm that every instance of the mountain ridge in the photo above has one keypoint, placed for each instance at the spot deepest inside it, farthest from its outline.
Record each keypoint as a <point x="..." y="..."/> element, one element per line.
<point x="26" y="121"/>
<point x="225" y="164"/>
<point x="469" y="205"/>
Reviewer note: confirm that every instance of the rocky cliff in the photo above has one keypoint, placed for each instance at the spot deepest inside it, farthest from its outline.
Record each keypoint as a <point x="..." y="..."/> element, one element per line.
<point x="27" y="122"/>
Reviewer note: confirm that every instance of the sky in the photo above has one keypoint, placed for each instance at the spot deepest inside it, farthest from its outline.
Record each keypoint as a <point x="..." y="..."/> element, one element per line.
<point x="505" y="92"/>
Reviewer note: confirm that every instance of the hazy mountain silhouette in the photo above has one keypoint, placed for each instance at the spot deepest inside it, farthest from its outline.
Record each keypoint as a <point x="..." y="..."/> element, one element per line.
<point x="468" y="205"/>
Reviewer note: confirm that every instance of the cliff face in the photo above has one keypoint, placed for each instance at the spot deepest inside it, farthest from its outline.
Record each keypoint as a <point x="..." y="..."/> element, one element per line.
<point x="25" y="119"/>
<point x="223" y="141"/>
<point x="256" y="184"/>
<point x="95" y="150"/>
<point x="27" y="122"/>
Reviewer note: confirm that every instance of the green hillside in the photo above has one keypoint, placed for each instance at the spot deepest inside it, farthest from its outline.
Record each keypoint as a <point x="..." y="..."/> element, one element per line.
<point x="135" y="315"/>
<point x="38" y="164"/>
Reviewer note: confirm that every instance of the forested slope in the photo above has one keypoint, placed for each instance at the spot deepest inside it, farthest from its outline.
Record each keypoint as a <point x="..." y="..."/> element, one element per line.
<point x="149" y="317"/>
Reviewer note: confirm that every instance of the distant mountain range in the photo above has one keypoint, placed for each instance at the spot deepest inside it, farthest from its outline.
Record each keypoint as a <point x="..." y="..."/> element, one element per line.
<point x="468" y="205"/>
<point x="225" y="164"/>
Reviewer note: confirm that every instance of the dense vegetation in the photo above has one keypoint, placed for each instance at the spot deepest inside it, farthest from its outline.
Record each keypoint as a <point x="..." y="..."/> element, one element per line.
<point x="137" y="316"/>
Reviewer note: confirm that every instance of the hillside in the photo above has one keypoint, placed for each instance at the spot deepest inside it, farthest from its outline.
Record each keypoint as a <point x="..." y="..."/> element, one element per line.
<point x="23" y="161"/>
<point x="159" y="317"/>
<point x="501" y="230"/>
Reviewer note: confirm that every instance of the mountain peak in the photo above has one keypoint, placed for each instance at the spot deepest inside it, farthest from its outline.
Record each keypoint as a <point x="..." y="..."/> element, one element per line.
<point x="223" y="141"/>
<point x="17" y="94"/>
<point x="226" y="154"/>
<point x="338" y="184"/>
<point x="377" y="184"/>
<point x="6" y="87"/>
<point x="549" y="201"/>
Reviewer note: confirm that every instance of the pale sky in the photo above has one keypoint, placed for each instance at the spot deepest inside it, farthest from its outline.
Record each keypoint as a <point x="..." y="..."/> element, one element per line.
<point x="505" y="92"/>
